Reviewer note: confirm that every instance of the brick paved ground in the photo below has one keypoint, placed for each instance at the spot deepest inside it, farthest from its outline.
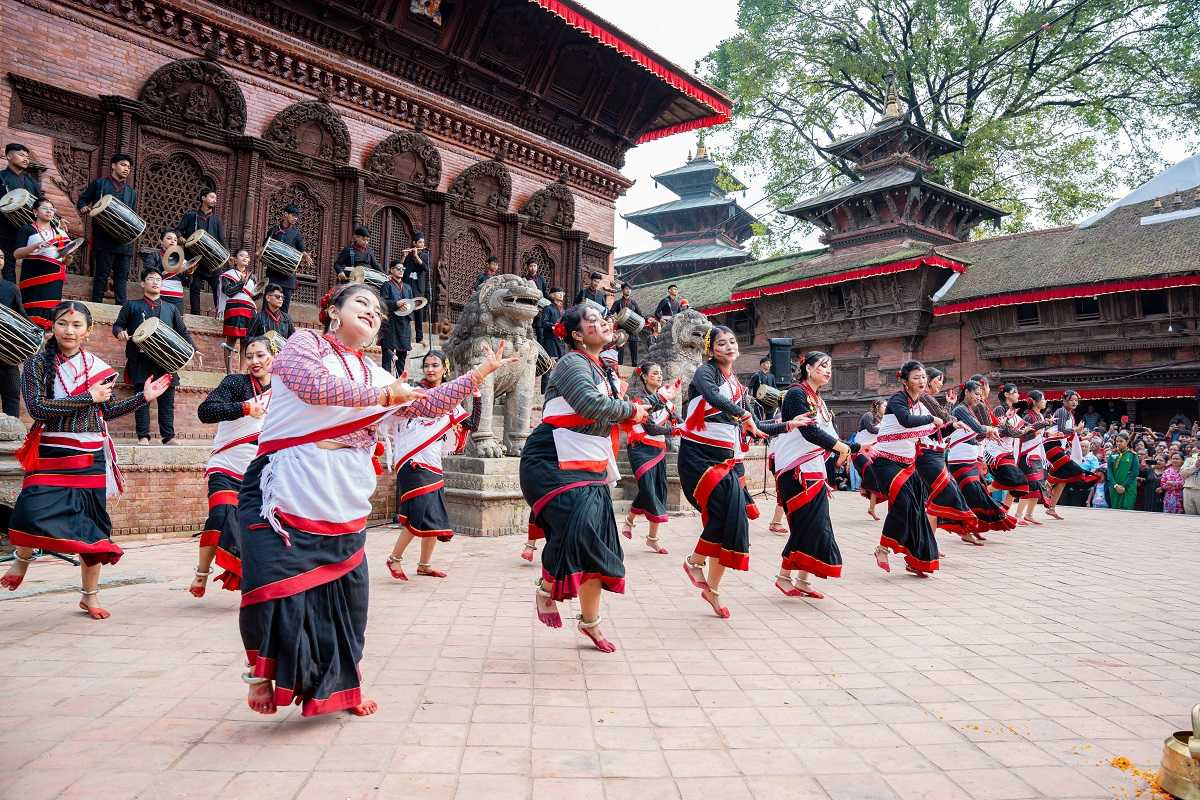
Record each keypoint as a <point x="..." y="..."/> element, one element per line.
<point x="1019" y="671"/>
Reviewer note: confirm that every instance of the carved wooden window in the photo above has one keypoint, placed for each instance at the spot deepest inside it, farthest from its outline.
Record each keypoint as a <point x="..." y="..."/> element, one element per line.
<point x="1087" y="308"/>
<point x="1028" y="314"/>
<point x="167" y="190"/>
<point x="742" y="323"/>
<point x="311" y="216"/>
<point x="391" y="234"/>
<point x="847" y="378"/>
<point x="465" y="258"/>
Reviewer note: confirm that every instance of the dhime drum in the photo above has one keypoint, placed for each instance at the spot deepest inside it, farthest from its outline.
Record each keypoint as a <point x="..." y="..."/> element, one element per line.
<point x="117" y="219"/>
<point x="19" y="338"/>
<point x="176" y="262"/>
<point x="768" y="396"/>
<point x="213" y="255"/>
<point x="163" y="345"/>
<point x="593" y="304"/>
<point x="17" y="206"/>
<point x="629" y="321"/>
<point x="544" y="362"/>
<point x="279" y="257"/>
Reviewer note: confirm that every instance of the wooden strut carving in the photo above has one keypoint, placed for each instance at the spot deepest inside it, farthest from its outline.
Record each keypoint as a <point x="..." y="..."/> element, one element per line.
<point x="196" y="91"/>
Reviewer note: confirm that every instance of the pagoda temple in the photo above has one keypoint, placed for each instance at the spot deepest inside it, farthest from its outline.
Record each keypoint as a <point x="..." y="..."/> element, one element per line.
<point x="702" y="230"/>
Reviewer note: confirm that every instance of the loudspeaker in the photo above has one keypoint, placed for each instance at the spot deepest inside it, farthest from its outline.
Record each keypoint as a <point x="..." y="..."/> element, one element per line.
<point x="781" y="361"/>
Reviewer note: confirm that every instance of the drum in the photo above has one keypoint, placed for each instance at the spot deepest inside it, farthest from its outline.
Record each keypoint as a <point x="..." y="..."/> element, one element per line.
<point x="69" y="250"/>
<point x="213" y="255"/>
<point x="163" y="345"/>
<point x="117" y="219"/>
<point x="543" y="364"/>
<point x="768" y="396"/>
<point x="19" y="338"/>
<point x="175" y="261"/>
<point x="17" y="206"/>
<point x="279" y="257"/>
<point x="629" y="321"/>
<point x="374" y="278"/>
<point x="275" y="341"/>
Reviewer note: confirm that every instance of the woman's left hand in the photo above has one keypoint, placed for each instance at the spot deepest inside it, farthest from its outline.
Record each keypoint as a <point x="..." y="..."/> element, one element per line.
<point x="494" y="359"/>
<point x="154" y="387"/>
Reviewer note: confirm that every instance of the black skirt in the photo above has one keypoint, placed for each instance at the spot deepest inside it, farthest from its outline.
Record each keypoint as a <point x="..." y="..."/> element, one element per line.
<point x="714" y="483"/>
<point x="945" y="502"/>
<point x="304" y="607"/>
<point x="1064" y="470"/>
<point x="906" y="528"/>
<point x="650" y="468"/>
<point x="573" y="510"/>
<point x="991" y="515"/>
<point x="811" y="547"/>
<point x="41" y="287"/>
<point x="62" y="507"/>
<point x="221" y="528"/>
<point x="421" y="502"/>
<point x="867" y="484"/>
<point x="1007" y="476"/>
<point x="1034" y="469"/>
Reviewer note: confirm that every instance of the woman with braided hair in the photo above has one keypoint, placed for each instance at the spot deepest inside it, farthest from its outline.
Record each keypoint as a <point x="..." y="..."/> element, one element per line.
<point x="647" y="449"/>
<point x="69" y="458"/>
<point x="304" y="503"/>
<point x="1001" y="453"/>
<point x="567" y="466"/>
<point x="946" y="507"/>
<point x="965" y="464"/>
<point x="1031" y="458"/>
<point x="717" y="423"/>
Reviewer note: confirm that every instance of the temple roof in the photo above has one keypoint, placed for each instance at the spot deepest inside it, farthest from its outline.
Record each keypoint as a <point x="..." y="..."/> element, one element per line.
<point x="1129" y="247"/>
<point x="706" y="289"/>
<point x="701" y="175"/>
<point x="859" y="146"/>
<point x="826" y="267"/>
<point x="696" y="251"/>
<point x="894" y="177"/>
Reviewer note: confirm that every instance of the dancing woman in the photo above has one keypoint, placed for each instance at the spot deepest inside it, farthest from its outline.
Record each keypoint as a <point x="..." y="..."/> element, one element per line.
<point x="43" y="272"/>
<point x="566" y="468"/>
<point x="647" y="449"/>
<point x="1001" y="453"/>
<point x="1063" y="453"/>
<point x="964" y="462"/>
<point x="304" y="503"/>
<point x="1031" y="458"/>
<point x="946" y="507"/>
<point x="417" y="449"/>
<point x="800" y="476"/>
<point x="236" y="303"/>
<point x="237" y="406"/>
<point x="906" y="528"/>
<point x="69" y="459"/>
<point x="868" y="432"/>
<point x="711" y="474"/>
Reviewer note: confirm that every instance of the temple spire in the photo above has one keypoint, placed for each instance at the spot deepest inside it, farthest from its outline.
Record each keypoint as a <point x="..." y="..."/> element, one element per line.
<point x="701" y="150"/>
<point x="891" y="108"/>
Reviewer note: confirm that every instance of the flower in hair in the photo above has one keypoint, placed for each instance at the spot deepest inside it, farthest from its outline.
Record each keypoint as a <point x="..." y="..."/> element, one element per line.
<point x="560" y="330"/>
<point x="326" y="301"/>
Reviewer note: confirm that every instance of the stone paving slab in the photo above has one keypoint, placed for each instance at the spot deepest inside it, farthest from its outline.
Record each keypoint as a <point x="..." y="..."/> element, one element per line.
<point x="1019" y="671"/>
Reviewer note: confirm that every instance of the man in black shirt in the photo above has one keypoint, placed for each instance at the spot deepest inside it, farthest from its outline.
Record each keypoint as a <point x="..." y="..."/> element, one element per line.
<point x="138" y="366"/>
<point x="14" y="176"/>
<point x="491" y="269"/>
<point x="764" y="376"/>
<point x="416" y="275"/>
<point x="288" y="232"/>
<point x="626" y="301"/>
<point x="593" y="291"/>
<point x="10" y="374"/>
<point x="669" y="305"/>
<point x="110" y="257"/>
<point x="356" y="254"/>
<point x="531" y="274"/>
<point x="544" y="329"/>
<point x="203" y="219"/>
<point x="271" y="317"/>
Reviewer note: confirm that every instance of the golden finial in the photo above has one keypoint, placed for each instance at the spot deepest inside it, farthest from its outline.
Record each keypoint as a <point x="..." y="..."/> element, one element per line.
<point x="891" y="106"/>
<point x="701" y="150"/>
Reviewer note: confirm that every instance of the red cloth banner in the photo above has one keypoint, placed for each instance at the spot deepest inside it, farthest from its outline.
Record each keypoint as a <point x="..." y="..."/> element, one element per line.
<point x="849" y="275"/>
<point x="1066" y="293"/>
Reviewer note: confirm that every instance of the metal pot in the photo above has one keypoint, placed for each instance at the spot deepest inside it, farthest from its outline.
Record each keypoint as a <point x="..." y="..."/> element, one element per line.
<point x="1180" y="769"/>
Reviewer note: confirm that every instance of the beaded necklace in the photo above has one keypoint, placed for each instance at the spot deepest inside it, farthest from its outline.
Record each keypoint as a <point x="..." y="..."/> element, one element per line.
<point x="339" y="349"/>
<point x="60" y="361"/>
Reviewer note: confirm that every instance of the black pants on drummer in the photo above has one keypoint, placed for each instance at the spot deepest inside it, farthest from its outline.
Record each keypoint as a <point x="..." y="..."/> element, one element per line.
<point x="196" y="289"/>
<point x="10" y="389"/>
<point x="104" y="264"/>
<point x="166" y="415"/>
<point x="393" y="356"/>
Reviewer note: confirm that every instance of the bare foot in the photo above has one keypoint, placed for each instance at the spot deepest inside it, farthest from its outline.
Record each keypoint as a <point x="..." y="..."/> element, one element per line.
<point x="592" y="631"/>
<point x="655" y="547"/>
<point x="695" y="573"/>
<point x="365" y="709"/>
<point x="16" y="573"/>
<point x="713" y="598"/>
<point x="261" y="698"/>
<point x="871" y="512"/>
<point x="777" y="529"/>
<point x="429" y="572"/>
<point x="91" y="604"/>
<point x="547" y="609"/>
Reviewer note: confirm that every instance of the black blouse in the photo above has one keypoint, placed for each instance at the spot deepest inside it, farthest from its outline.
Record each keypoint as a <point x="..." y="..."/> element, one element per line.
<point x="225" y="402"/>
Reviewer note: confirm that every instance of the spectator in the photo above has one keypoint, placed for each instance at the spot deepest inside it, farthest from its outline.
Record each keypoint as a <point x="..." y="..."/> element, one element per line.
<point x="1122" y="475"/>
<point x="531" y="274"/>
<point x="1099" y="496"/>
<point x="1180" y="421"/>
<point x="763" y="376"/>
<point x="491" y="268"/>
<point x="416" y="275"/>
<point x="1172" y="486"/>
<point x="1191" y="483"/>
<point x="1150" y="488"/>
<point x="1091" y="418"/>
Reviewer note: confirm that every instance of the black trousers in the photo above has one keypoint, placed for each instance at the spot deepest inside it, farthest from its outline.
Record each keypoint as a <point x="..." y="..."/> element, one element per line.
<point x="287" y="283"/>
<point x="10" y="264"/>
<point x="105" y="263"/>
<point x="196" y="288"/>
<point x="10" y="389"/>
<point x="166" y="415"/>
<point x="632" y="347"/>
<point x="420" y="288"/>
<point x="392" y="355"/>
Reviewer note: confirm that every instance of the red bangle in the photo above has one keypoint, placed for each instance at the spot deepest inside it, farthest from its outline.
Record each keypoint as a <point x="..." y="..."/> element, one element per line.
<point x="246" y="408"/>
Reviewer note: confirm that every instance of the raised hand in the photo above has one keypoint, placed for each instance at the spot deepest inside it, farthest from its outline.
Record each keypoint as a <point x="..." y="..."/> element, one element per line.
<point x="255" y="409"/>
<point x="101" y="392"/>
<point x="154" y="387"/>
<point x="494" y="359"/>
<point x="401" y="392"/>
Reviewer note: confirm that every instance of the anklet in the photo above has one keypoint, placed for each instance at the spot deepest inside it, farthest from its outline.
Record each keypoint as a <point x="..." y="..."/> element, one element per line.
<point x="583" y="623"/>
<point x="253" y="680"/>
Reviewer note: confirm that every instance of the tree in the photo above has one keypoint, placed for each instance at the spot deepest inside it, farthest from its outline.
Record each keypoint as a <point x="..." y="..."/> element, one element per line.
<point x="1057" y="103"/>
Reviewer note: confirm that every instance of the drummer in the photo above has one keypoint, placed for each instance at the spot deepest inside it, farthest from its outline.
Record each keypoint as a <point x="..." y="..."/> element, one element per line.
<point x="172" y="286"/>
<point x="15" y="176"/>
<point x="205" y="219"/>
<point x="395" y="336"/>
<point x="139" y="367"/>
<point x="356" y="254"/>
<point x="288" y="232"/>
<point x="10" y="374"/>
<point x="626" y="301"/>
<point x="110" y="257"/>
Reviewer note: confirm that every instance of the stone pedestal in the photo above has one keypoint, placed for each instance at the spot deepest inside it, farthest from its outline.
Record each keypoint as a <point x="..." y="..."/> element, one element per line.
<point x="483" y="496"/>
<point x="12" y="434"/>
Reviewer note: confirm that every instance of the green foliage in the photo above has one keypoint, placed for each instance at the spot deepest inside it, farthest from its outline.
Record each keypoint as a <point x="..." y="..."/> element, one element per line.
<point x="1058" y="103"/>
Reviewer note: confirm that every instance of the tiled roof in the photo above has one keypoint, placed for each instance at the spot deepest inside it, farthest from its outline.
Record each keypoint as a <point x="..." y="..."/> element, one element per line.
<point x="1118" y="247"/>
<point x="701" y="289"/>
<point x="816" y="263"/>
<point x="707" y="251"/>
<point x="682" y="204"/>
<point x="890" y="178"/>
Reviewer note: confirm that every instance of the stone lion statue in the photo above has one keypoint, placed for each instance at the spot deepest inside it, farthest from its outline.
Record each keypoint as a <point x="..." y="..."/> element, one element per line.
<point x="679" y="347"/>
<point x="502" y="308"/>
